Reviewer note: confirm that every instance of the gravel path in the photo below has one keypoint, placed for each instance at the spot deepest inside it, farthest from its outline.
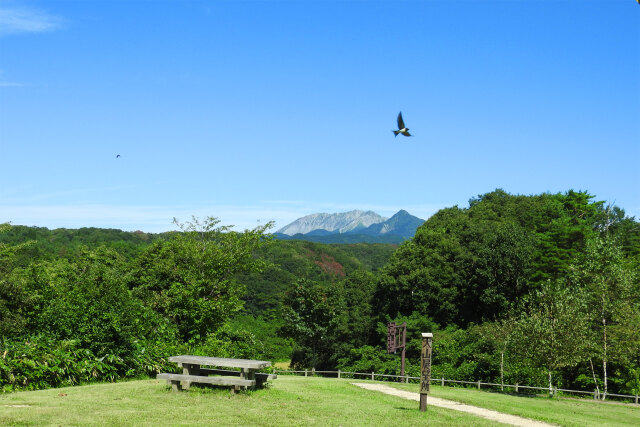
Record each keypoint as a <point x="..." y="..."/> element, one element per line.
<point x="513" y="420"/>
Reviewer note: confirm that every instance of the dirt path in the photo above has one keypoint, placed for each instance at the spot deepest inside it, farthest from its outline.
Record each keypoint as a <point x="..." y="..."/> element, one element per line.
<point x="513" y="420"/>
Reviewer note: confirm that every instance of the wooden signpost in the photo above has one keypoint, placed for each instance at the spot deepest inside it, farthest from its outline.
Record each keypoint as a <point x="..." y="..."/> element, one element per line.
<point x="397" y="339"/>
<point x="425" y="368"/>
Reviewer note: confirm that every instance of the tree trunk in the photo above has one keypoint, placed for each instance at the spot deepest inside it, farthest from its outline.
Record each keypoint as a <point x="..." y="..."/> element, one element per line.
<point x="604" y="357"/>
<point x="593" y="372"/>
<point x="502" y="370"/>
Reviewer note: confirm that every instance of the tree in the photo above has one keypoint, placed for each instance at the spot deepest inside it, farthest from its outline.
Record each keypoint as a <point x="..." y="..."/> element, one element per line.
<point x="307" y="314"/>
<point x="190" y="278"/>
<point x="552" y="333"/>
<point x="500" y="334"/>
<point x="608" y="280"/>
<point x="15" y="299"/>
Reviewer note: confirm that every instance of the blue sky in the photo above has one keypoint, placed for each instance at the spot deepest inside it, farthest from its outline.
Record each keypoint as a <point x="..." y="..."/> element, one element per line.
<point x="255" y="111"/>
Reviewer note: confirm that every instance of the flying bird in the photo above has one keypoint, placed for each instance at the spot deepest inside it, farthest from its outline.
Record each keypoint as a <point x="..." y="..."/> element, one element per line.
<point x="401" y="127"/>
<point x="117" y="155"/>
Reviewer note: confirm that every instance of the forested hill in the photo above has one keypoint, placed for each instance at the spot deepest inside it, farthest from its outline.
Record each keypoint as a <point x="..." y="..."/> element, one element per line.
<point x="548" y="284"/>
<point x="287" y="261"/>
<point x="65" y="242"/>
<point x="290" y="261"/>
<point x="537" y="290"/>
<point x="478" y="263"/>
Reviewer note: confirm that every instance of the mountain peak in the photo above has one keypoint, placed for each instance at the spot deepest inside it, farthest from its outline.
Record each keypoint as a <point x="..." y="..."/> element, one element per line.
<point x="366" y="224"/>
<point x="336" y="222"/>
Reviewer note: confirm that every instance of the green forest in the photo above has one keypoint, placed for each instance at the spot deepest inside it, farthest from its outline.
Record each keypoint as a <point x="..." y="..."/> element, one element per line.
<point x="540" y="290"/>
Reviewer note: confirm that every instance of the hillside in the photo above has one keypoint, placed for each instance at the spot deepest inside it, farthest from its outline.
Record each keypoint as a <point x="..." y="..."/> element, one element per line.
<point x="293" y="260"/>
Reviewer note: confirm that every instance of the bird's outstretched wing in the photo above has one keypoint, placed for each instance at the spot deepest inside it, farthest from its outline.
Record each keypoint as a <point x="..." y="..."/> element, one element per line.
<point x="406" y="133"/>
<point x="400" y="121"/>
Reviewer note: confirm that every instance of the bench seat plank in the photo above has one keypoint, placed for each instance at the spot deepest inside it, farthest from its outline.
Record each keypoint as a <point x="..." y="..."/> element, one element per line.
<point x="229" y="381"/>
<point x="259" y="375"/>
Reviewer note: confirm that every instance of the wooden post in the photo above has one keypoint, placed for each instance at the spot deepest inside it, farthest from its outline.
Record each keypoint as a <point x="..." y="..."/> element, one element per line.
<point x="372" y="376"/>
<point x="516" y="387"/>
<point x="425" y="369"/>
<point x="478" y="384"/>
<point x="189" y="369"/>
<point x="636" y="399"/>
<point x="313" y="371"/>
<point x="404" y="346"/>
<point x="442" y="382"/>
<point x="305" y="372"/>
<point x="338" y="373"/>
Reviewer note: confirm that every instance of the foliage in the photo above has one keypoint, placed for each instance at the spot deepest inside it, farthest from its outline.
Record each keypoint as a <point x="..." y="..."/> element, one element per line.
<point x="477" y="264"/>
<point x="265" y="332"/>
<point x="41" y="362"/>
<point x="189" y="279"/>
<point x="612" y="303"/>
<point x="373" y="359"/>
<point x="66" y="243"/>
<point x="552" y="333"/>
<point x="288" y="261"/>
<point x="513" y="287"/>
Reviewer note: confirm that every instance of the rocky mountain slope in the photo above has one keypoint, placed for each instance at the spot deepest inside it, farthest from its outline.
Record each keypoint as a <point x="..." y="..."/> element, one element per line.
<point x="352" y="227"/>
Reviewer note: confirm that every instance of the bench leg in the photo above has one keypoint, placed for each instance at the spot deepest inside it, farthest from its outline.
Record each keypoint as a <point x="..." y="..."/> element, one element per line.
<point x="175" y="385"/>
<point x="248" y="374"/>
<point x="189" y="369"/>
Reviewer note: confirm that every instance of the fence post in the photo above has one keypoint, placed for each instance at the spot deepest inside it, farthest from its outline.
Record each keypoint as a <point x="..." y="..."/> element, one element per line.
<point x="305" y="372"/>
<point x="595" y="394"/>
<point x="442" y="382"/>
<point x="636" y="399"/>
<point x="313" y="371"/>
<point x="406" y="380"/>
<point x="516" y="387"/>
<point x="372" y="376"/>
<point x="478" y="384"/>
<point x="338" y="373"/>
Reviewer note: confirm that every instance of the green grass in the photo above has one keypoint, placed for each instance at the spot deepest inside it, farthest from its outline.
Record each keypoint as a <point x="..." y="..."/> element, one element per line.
<point x="289" y="401"/>
<point x="565" y="412"/>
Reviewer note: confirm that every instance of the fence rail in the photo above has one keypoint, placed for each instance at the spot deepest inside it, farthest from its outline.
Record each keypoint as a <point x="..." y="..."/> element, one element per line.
<point x="442" y="381"/>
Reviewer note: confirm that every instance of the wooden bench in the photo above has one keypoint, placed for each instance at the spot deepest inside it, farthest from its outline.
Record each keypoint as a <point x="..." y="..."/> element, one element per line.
<point x="175" y="380"/>
<point x="193" y="371"/>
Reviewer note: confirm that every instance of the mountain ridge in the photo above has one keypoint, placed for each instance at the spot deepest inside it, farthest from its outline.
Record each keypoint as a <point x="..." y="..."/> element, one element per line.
<point x="354" y="226"/>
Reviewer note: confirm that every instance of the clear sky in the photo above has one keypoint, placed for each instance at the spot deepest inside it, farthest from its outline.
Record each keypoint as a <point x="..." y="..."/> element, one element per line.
<point x="252" y="111"/>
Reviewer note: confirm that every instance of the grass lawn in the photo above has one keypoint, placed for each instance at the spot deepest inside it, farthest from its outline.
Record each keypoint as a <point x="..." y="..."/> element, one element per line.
<point x="288" y="401"/>
<point x="565" y="412"/>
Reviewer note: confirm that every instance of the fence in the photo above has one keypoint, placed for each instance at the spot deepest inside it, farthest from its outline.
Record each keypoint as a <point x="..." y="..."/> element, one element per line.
<point x="516" y="387"/>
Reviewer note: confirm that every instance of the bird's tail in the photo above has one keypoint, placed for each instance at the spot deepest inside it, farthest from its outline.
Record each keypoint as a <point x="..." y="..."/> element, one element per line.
<point x="395" y="132"/>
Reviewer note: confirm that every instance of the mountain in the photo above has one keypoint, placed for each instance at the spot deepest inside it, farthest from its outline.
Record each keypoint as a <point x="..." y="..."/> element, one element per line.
<point x="350" y="227"/>
<point x="332" y="223"/>
<point x="401" y="224"/>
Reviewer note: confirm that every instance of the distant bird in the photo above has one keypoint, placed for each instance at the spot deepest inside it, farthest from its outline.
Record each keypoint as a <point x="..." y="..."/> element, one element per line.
<point x="401" y="127"/>
<point x="117" y="155"/>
